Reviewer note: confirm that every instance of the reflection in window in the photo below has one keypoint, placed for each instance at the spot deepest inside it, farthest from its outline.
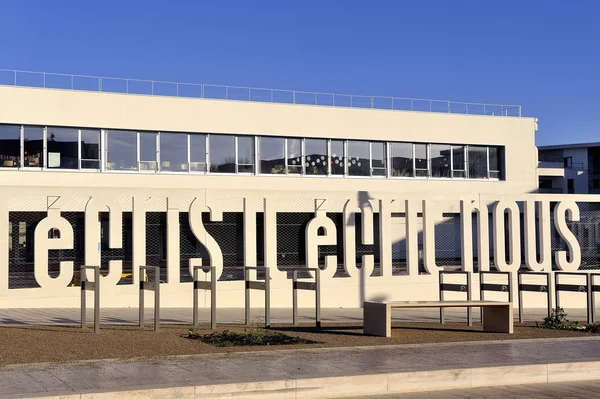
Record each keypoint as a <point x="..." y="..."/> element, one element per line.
<point x="90" y="149"/>
<point x="198" y="152"/>
<point x="62" y="148"/>
<point x="316" y="156"/>
<point x="294" y="156"/>
<point x="338" y="159"/>
<point x="245" y="154"/>
<point x="173" y="152"/>
<point x="148" y="151"/>
<point x="10" y="146"/>
<point x="477" y="162"/>
<point x="440" y="160"/>
<point x="222" y="153"/>
<point x="378" y="159"/>
<point x="421" y="165"/>
<point x="402" y="159"/>
<point x="121" y="150"/>
<point x="33" y="150"/>
<point x="458" y="161"/>
<point x="495" y="162"/>
<point x="272" y="159"/>
<point x="358" y="158"/>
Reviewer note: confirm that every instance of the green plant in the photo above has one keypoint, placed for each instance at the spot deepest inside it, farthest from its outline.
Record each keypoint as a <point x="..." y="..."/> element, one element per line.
<point x="558" y="321"/>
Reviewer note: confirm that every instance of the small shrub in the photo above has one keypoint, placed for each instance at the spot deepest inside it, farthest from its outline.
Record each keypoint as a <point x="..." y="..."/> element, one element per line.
<point x="558" y="321"/>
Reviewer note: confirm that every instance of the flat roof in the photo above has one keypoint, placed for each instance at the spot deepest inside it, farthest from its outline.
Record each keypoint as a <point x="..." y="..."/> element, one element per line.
<point x="568" y="146"/>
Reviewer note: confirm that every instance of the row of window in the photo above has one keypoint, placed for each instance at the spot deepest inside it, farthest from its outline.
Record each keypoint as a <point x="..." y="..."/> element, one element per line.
<point x="124" y="150"/>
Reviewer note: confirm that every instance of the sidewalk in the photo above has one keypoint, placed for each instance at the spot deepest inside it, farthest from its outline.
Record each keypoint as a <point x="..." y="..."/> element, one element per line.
<point x="234" y="316"/>
<point x="314" y="373"/>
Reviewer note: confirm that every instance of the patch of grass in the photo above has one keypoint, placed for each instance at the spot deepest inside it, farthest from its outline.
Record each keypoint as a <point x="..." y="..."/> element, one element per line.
<point x="256" y="337"/>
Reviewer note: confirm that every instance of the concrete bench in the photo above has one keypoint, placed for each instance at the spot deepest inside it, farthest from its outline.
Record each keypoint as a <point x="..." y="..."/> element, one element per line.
<point x="497" y="316"/>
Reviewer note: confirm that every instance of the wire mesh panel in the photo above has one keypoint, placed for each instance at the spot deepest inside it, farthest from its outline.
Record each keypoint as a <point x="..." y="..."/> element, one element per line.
<point x="124" y="254"/>
<point x="229" y="235"/>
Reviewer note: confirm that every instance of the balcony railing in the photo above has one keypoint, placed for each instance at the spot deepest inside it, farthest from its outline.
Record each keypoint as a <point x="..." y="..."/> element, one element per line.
<point x="191" y="90"/>
<point x="553" y="190"/>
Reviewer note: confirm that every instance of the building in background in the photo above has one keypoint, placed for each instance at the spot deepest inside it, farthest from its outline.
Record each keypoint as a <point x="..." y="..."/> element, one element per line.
<point x="569" y="168"/>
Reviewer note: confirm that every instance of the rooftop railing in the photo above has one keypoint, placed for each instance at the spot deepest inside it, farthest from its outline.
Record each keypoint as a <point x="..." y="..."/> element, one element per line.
<point x="218" y="92"/>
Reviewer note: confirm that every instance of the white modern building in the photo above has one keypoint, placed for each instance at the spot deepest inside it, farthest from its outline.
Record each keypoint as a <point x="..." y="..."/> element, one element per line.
<point x="580" y="164"/>
<point x="379" y="192"/>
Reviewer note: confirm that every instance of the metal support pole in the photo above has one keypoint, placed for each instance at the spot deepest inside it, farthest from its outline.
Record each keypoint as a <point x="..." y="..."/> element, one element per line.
<point x="549" y="282"/>
<point x="469" y="309"/>
<point x="150" y="286"/>
<point x="294" y="298"/>
<point x="520" y="294"/>
<point x="247" y="300"/>
<point x="87" y="286"/>
<point x="204" y="285"/>
<point x="442" y="319"/>
<point x="318" y="297"/>
<point x="594" y="288"/>
<point x="267" y="297"/>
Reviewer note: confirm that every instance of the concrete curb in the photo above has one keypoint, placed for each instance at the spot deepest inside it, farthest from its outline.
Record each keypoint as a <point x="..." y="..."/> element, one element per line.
<point x="361" y="385"/>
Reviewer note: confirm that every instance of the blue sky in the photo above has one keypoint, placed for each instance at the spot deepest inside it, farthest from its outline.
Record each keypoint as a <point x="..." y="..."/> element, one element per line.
<point x="543" y="55"/>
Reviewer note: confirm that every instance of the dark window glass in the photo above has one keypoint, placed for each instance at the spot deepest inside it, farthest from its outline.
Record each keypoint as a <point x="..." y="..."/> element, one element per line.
<point x="315" y="156"/>
<point x="440" y="160"/>
<point x="458" y="161"/>
<point x="10" y="146"/>
<point x="496" y="162"/>
<point x="62" y="148"/>
<point x="378" y="159"/>
<point x="338" y="158"/>
<point x="294" y="156"/>
<point x="272" y="158"/>
<point x="121" y="150"/>
<point x="421" y="164"/>
<point x="198" y="152"/>
<point x="148" y="151"/>
<point x="222" y="153"/>
<point x="402" y="159"/>
<point x="358" y="158"/>
<point x="33" y="146"/>
<point x="173" y="152"/>
<point x="477" y="162"/>
<point x="245" y="154"/>
<point x="90" y="149"/>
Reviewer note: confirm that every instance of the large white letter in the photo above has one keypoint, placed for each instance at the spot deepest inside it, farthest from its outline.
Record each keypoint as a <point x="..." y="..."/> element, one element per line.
<point x="483" y="240"/>
<point x="208" y="241"/>
<point x="314" y="240"/>
<point x="43" y="244"/>
<point x="430" y="213"/>
<point x="561" y="226"/>
<point x="514" y="241"/>
<point x="368" y="261"/>
<point x="92" y="237"/>
<point x="543" y="238"/>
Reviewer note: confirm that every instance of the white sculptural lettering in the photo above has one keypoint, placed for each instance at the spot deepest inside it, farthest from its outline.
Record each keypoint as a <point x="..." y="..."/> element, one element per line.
<point x="320" y="231"/>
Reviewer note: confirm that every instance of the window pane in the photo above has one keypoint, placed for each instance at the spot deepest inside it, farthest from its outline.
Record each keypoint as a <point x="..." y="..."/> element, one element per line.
<point x="496" y="162"/>
<point x="122" y="150"/>
<point x="477" y="162"/>
<point x="90" y="149"/>
<point x="62" y="148"/>
<point x="458" y="160"/>
<point x="222" y="153"/>
<point x="421" y="167"/>
<point x="10" y="146"/>
<point x="173" y="152"/>
<point x="198" y="152"/>
<point x="378" y="159"/>
<point x="34" y="146"/>
<point x="358" y="158"/>
<point x="148" y="151"/>
<point x="440" y="160"/>
<point x="402" y="159"/>
<point x="272" y="159"/>
<point x="294" y="156"/>
<point x="316" y="156"/>
<point x="245" y="154"/>
<point x="338" y="159"/>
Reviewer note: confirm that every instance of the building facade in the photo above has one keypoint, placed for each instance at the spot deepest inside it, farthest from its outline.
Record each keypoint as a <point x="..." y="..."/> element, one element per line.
<point x="379" y="199"/>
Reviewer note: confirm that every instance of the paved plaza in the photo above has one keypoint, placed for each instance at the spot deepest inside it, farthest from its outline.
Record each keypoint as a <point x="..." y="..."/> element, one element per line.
<point x="229" y="315"/>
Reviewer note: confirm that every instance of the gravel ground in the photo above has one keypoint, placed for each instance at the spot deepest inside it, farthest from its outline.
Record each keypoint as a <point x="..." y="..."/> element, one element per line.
<point x="38" y="344"/>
